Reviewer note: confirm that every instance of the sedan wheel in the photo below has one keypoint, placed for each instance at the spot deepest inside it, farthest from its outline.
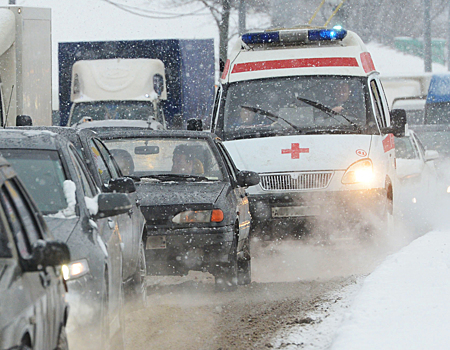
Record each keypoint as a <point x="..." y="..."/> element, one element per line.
<point x="63" y="343"/>
<point x="244" y="273"/>
<point x="226" y="280"/>
<point x="138" y="288"/>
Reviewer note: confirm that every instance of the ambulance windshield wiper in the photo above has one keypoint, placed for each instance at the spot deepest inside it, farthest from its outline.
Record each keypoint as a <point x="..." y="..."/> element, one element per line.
<point x="327" y="110"/>
<point x="270" y="115"/>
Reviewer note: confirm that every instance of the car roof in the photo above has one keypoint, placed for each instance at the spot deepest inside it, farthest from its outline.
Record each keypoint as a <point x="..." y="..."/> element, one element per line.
<point x="28" y="138"/>
<point x="68" y="132"/>
<point x="113" y="133"/>
<point x="117" y="123"/>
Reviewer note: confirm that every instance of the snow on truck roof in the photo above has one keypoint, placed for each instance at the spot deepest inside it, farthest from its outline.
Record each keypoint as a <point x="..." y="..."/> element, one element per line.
<point x="117" y="79"/>
<point x="294" y="52"/>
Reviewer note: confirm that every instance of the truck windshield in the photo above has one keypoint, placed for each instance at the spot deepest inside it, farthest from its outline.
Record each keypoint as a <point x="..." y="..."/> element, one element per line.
<point x="282" y="97"/>
<point x="103" y="110"/>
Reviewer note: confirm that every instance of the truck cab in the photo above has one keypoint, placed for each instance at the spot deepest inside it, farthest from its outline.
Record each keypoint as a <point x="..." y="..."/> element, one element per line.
<point x="118" y="89"/>
<point x="305" y="108"/>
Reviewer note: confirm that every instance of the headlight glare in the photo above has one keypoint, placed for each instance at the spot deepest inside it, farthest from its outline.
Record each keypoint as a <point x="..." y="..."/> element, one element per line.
<point x="359" y="172"/>
<point x="75" y="269"/>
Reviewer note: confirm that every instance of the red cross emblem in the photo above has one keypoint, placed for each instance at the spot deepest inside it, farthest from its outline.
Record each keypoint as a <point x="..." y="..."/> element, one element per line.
<point x="295" y="151"/>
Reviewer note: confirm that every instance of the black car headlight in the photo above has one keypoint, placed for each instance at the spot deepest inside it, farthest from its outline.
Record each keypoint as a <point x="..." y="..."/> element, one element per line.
<point x="190" y="216"/>
<point x="75" y="269"/>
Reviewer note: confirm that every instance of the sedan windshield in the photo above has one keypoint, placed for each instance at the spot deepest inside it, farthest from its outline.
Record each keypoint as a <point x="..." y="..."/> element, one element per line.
<point x="42" y="174"/>
<point x="166" y="158"/>
<point x="307" y="103"/>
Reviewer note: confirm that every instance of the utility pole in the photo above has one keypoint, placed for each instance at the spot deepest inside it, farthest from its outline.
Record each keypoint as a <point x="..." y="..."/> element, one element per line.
<point x="427" y="35"/>
<point x="242" y="15"/>
<point x="448" y="37"/>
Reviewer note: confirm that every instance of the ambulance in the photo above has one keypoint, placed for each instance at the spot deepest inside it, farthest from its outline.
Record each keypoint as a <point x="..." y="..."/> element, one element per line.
<point x="305" y="109"/>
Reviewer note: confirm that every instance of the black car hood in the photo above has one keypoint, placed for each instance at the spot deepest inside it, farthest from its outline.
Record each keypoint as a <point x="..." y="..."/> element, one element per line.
<point x="61" y="228"/>
<point x="184" y="192"/>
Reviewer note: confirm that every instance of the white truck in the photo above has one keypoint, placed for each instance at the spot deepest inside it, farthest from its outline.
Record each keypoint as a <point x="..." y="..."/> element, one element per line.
<point x="118" y="89"/>
<point x="25" y="66"/>
<point x="304" y="107"/>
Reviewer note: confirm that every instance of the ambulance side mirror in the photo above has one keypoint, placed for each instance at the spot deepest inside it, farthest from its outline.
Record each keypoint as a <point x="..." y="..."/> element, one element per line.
<point x="398" y="123"/>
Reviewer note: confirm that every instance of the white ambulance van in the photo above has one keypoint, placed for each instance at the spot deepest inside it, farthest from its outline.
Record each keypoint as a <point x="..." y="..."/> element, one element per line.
<point x="306" y="110"/>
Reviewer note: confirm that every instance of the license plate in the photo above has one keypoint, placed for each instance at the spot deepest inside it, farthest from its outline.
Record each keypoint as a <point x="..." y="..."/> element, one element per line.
<point x="156" y="242"/>
<point x="286" y="212"/>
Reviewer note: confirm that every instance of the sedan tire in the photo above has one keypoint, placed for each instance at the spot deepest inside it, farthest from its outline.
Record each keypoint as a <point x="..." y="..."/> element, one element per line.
<point x="226" y="280"/>
<point x="244" y="273"/>
<point x="138" y="286"/>
<point x="63" y="343"/>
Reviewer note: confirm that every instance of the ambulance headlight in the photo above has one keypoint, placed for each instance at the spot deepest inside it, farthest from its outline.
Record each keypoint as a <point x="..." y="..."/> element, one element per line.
<point x="359" y="172"/>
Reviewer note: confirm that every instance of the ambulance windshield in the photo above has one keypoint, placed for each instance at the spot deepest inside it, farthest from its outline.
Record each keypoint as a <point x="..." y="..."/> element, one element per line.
<point x="300" y="104"/>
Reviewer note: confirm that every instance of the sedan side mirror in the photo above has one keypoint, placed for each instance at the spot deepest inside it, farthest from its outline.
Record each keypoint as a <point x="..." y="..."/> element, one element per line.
<point x="408" y="168"/>
<point x="112" y="204"/>
<point x="195" y="125"/>
<point x="24" y="120"/>
<point x="121" y="185"/>
<point x="398" y="123"/>
<point x="247" y="178"/>
<point x="48" y="253"/>
<point x="431" y="155"/>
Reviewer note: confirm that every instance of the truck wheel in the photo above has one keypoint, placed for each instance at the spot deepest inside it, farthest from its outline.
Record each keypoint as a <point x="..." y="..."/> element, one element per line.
<point x="226" y="279"/>
<point x="244" y="273"/>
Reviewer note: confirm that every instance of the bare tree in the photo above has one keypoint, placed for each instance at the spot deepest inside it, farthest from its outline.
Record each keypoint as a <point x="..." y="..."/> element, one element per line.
<point x="220" y="11"/>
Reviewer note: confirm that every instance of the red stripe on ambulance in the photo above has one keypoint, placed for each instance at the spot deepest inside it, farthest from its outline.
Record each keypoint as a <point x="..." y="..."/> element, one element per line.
<point x="295" y="63"/>
<point x="367" y="62"/>
<point x="225" y="69"/>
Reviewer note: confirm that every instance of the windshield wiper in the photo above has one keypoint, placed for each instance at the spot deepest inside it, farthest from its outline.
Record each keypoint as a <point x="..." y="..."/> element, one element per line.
<point x="169" y="177"/>
<point x="327" y="110"/>
<point x="270" y="115"/>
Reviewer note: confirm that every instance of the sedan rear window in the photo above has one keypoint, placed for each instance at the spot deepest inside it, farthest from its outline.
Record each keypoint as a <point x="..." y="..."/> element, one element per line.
<point x="42" y="174"/>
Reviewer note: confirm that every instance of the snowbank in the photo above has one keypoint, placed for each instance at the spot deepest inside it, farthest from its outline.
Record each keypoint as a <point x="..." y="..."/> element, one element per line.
<point x="405" y="302"/>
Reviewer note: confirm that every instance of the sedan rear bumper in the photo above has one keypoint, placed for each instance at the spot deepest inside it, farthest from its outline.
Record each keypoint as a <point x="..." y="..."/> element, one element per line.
<point x="176" y="251"/>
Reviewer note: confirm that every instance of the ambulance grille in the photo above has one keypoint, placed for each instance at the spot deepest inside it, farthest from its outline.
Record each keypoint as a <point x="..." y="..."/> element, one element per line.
<point x="295" y="181"/>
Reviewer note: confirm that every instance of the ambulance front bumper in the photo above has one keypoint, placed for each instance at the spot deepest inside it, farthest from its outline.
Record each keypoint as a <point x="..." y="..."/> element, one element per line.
<point x="303" y="205"/>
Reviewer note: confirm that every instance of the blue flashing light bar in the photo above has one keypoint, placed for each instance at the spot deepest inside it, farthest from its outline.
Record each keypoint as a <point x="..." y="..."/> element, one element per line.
<point x="326" y="34"/>
<point x="295" y="36"/>
<point x="261" y="38"/>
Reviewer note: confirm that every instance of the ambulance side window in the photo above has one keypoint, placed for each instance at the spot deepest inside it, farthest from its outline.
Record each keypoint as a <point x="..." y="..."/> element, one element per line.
<point x="378" y="104"/>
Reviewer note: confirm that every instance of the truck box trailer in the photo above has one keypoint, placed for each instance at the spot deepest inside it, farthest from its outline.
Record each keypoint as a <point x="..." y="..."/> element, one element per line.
<point x="189" y="68"/>
<point x="117" y="88"/>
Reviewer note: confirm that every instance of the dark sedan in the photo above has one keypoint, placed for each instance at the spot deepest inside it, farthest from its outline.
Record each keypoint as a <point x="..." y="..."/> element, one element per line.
<point x="79" y="215"/>
<point x="193" y="199"/>
<point x="33" y="309"/>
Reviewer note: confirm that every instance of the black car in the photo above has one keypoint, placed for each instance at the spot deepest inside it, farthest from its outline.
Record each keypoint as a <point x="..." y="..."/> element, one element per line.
<point x="33" y="309"/>
<point x="108" y="177"/>
<point x="79" y="215"/>
<point x="193" y="199"/>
